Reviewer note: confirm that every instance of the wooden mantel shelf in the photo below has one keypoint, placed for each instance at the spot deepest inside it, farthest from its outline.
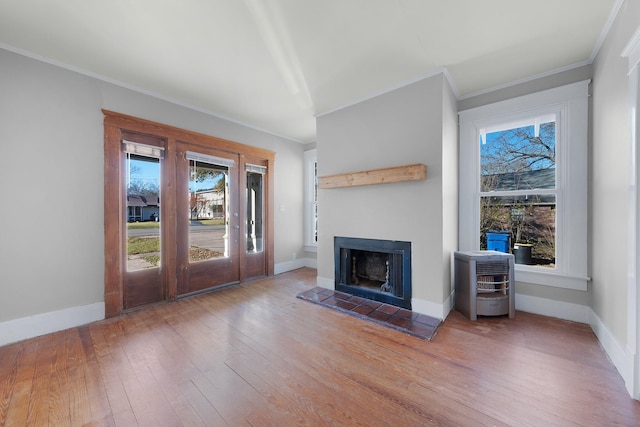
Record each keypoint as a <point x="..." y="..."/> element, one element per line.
<point x="416" y="172"/>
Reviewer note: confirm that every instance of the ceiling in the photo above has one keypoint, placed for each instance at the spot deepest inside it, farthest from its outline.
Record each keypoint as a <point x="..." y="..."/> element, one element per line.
<point x="277" y="64"/>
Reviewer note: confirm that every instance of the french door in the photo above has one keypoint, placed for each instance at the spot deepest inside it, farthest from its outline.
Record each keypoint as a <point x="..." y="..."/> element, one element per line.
<point x="208" y="218"/>
<point x="184" y="212"/>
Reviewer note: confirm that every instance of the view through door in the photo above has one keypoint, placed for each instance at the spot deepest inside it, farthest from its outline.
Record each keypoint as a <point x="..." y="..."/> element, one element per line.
<point x="208" y="219"/>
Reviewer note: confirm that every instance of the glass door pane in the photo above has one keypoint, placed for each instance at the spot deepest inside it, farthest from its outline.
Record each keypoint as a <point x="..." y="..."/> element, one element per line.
<point x="255" y="209"/>
<point x="207" y="227"/>
<point x="254" y="217"/>
<point x="143" y="212"/>
<point x="208" y="211"/>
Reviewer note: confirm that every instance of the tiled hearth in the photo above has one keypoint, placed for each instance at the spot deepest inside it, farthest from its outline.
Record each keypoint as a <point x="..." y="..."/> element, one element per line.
<point x="418" y="325"/>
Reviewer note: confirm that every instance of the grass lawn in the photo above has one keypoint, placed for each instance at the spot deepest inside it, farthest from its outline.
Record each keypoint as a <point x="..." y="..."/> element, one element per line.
<point x="152" y="224"/>
<point x="151" y="246"/>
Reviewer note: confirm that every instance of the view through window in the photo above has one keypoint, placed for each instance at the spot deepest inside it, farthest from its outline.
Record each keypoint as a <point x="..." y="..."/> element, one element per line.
<point x="518" y="190"/>
<point x="143" y="212"/>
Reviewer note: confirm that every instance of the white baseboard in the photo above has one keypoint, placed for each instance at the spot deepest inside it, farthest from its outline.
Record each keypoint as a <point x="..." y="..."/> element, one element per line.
<point x="33" y="326"/>
<point x="546" y="307"/>
<point x="449" y="304"/>
<point x="295" y="264"/>
<point x="622" y="358"/>
<point x="324" y="282"/>
<point x="311" y="263"/>
<point x="439" y="311"/>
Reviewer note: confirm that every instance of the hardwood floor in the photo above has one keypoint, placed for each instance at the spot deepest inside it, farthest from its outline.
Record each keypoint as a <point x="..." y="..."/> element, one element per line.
<point x="255" y="355"/>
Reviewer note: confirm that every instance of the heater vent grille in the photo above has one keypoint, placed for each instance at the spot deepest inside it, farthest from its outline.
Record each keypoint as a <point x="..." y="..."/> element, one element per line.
<point x="488" y="268"/>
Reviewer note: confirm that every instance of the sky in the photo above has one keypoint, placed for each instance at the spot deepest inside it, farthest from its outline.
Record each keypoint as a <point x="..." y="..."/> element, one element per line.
<point x="148" y="173"/>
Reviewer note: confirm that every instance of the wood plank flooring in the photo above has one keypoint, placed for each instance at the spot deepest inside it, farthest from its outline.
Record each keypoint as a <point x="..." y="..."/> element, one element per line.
<point x="254" y="355"/>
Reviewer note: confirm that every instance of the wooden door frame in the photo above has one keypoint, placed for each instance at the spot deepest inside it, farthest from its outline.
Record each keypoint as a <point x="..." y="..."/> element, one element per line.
<point x="115" y="126"/>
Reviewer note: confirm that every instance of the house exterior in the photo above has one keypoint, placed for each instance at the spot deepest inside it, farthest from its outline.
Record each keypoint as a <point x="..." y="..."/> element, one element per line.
<point x="421" y="117"/>
<point x="143" y="208"/>
<point x="207" y="204"/>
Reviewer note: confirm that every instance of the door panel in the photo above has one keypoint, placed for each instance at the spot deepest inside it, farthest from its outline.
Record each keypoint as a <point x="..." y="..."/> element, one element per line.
<point x="208" y="219"/>
<point x="143" y="287"/>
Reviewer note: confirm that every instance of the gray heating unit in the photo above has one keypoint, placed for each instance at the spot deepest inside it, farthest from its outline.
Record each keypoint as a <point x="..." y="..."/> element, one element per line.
<point x="484" y="283"/>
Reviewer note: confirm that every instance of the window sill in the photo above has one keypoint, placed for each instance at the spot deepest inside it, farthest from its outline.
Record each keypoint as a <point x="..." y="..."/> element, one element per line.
<point x="554" y="279"/>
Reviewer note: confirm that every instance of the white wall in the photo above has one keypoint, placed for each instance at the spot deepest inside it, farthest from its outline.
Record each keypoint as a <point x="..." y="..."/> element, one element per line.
<point x="610" y="173"/>
<point x="51" y="223"/>
<point x="449" y="190"/>
<point x="401" y="127"/>
<point x="51" y="183"/>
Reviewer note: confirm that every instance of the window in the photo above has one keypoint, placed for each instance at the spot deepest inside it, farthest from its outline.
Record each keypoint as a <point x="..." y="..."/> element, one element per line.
<point x="142" y="163"/>
<point x="523" y="175"/>
<point x="255" y="207"/>
<point x="311" y="198"/>
<point x="518" y="189"/>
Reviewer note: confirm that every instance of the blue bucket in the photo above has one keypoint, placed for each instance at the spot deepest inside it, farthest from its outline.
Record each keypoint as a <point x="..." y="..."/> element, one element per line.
<point x="498" y="241"/>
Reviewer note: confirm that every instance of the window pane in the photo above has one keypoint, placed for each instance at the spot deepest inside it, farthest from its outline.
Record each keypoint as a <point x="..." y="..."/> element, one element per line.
<point x="529" y="222"/>
<point x="255" y="205"/>
<point x="523" y="158"/>
<point x="143" y="212"/>
<point x="208" y="211"/>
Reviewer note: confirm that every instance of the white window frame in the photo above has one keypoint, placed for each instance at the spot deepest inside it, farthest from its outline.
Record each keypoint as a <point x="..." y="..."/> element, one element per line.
<point x="310" y="191"/>
<point x="570" y="103"/>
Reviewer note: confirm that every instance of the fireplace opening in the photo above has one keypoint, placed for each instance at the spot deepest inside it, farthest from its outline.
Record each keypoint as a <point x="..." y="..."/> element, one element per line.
<point x="375" y="269"/>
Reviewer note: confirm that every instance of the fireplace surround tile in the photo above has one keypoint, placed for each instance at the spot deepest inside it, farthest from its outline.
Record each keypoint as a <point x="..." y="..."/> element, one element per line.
<point x="378" y="315"/>
<point x="401" y="319"/>
<point x="347" y="305"/>
<point x="388" y="309"/>
<point x="363" y="309"/>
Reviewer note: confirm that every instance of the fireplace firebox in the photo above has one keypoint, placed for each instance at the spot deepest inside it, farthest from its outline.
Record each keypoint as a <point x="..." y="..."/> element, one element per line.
<point x="375" y="269"/>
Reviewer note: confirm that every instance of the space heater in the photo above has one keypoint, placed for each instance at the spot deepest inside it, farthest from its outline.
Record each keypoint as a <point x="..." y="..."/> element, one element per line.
<point x="484" y="283"/>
